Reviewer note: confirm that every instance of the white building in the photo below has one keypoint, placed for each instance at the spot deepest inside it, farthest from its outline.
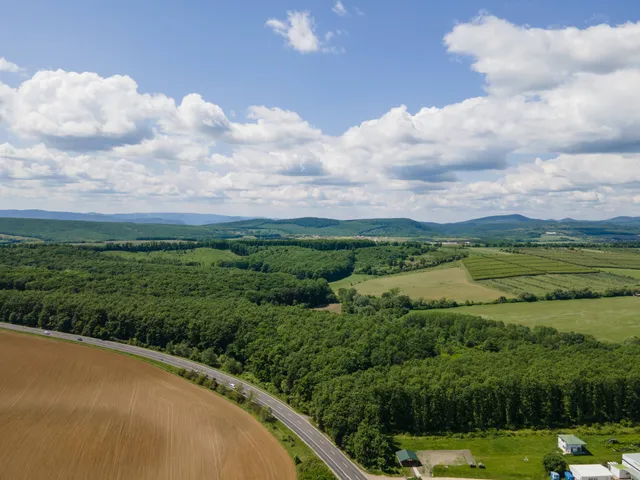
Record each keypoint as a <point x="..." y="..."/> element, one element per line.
<point x="590" y="472"/>
<point x="632" y="462"/>
<point x="619" y="471"/>
<point x="570" y="444"/>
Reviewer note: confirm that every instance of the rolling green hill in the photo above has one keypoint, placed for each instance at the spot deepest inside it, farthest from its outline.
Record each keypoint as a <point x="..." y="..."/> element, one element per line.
<point x="377" y="227"/>
<point x="80" y="231"/>
<point x="498" y="228"/>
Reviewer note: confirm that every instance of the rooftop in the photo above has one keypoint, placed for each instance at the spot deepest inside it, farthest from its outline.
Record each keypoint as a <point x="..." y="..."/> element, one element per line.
<point x="572" y="440"/>
<point x="590" y="471"/>
<point x="407" y="455"/>
<point x="634" y="457"/>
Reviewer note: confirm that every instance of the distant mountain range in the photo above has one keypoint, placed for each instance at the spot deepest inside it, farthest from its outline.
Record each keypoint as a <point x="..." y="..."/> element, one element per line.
<point x="508" y="227"/>
<point x="157" y="218"/>
<point x="74" y="227"/>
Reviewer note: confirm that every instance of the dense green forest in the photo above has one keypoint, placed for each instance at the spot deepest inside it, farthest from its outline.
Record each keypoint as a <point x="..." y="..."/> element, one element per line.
<point x="331" y="259"/>
<point x="361" y="376"/>
<point x="244" y="246"/>
<point x="298" y="261"/>
<point x="390" y="259"/>
<point x="74" y="270"/>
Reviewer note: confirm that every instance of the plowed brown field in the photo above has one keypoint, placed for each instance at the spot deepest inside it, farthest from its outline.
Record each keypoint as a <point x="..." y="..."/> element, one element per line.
<point x="72" y="412"/>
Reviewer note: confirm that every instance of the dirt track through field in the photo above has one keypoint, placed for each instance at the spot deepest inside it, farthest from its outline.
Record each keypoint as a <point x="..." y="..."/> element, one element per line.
<point x="72" y="412"/>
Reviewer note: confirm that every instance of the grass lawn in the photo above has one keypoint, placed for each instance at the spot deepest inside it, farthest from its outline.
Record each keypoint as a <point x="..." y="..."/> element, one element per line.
<point x="627" y="272"/>
<point x="517" y="456"/>
<point x="610" y="319"/>
<point x="452" y="282"/>
<point x="205" y="256"/>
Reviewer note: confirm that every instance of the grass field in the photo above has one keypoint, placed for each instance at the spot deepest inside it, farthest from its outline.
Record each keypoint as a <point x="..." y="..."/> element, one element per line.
<point x="517" y="456"/>
<point x="488" y="251"/>
<point x="120" y="418"/>
<point x="205" y="256"/>
<point x="612" y="258"/>
<point x="17" y="239"/>
<point x="452" y="282"/>
<point x="483" y="267"/>
<point x="545" y="238"/>
<point x="626" y="272"/>
<point x="610" y="319"/>
<point x="350" y="281"/>
<point x="541" y="284"/>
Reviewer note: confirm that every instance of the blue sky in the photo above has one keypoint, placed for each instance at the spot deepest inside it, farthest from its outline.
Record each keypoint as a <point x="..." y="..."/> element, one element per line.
<point x="383" y="55"/>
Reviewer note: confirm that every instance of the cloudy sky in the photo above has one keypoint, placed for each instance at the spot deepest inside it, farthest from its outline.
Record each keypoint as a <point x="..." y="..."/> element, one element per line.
<point x="355" y="108"/>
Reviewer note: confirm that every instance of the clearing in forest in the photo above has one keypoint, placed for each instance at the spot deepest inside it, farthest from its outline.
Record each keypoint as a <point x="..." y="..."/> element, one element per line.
<point x="204" y="256"/>
<point x="452" y="283"/>
<point x="69" y="411"/>
<point x="611" y="319"/>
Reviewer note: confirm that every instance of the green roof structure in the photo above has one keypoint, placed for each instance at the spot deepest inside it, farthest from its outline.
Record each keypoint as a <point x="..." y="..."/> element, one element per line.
<point x="572" y="440"/>
<point x="404" y="455"/>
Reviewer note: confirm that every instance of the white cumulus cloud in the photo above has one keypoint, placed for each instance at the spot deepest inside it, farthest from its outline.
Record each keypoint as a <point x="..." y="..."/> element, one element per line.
<point x="340" y="9"/>
<point x="517" y="59"/>
<point x="558" y="130"/>
<point x="299" y="30"/>
<point x="7" y="66"/>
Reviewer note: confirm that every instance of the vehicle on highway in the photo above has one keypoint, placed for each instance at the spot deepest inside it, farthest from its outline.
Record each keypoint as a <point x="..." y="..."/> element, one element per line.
<point x="232" y="385"/>
<point x="79" y="339"/>
<point x="47" y="332"/>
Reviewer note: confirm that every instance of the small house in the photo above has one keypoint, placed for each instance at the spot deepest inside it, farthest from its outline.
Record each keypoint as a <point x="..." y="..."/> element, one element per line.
<point x="618" y="471"/>
<point x="590" y="472"/>
<point x="571" y="445"/>
<point x="408" y="458"/>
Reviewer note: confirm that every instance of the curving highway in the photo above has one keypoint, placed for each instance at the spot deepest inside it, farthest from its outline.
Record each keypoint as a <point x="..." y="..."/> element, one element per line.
<point x="337" y="461"/>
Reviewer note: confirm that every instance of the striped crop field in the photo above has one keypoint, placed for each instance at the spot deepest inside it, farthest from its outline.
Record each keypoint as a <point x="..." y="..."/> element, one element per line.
<point x="608" y="258"/>
<point x="541" y="284"/>
<point x="484" y="267"/>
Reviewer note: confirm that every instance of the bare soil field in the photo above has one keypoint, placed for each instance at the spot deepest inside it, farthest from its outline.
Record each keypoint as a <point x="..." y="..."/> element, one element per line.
<point x="69" y="411"/>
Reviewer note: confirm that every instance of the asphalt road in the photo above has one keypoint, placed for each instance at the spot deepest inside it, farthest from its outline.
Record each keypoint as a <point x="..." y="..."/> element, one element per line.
<point x="337" y="461"/>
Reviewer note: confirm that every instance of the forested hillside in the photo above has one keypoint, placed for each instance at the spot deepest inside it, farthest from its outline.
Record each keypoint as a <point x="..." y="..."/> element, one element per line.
<point x="508" y="229"/>
<point x="361" y="376"/>
<point x="82" y="231"/>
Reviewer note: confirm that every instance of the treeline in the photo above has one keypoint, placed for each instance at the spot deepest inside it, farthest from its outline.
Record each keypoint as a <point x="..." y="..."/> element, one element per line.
<point x="386" y="260"/>
<point x="354" y="302"/>
<point x="300" y="262"/>
<point x="574" y="294"/>
<point x="389" y="302"/>
<point x="239" y="246"/>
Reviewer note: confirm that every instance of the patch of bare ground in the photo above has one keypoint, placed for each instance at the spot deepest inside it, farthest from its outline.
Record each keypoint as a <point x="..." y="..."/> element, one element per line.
<point x="69" y="411"/>
<point x="332" y="307"/>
